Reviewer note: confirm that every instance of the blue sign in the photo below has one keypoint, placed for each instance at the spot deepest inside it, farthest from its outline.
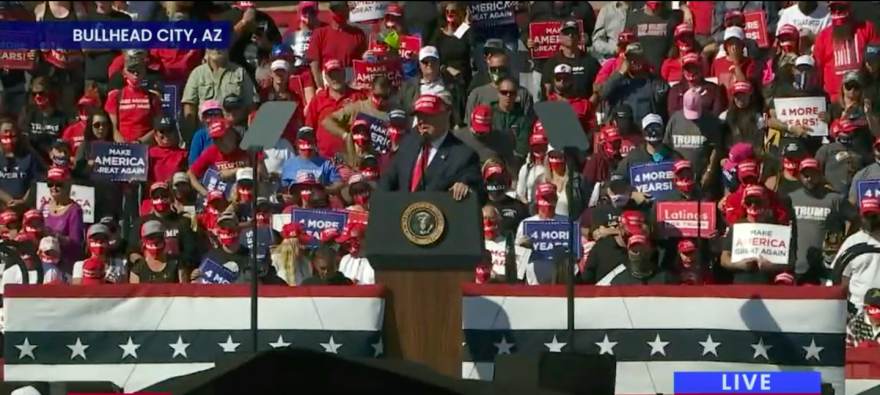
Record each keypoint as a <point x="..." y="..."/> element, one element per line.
<point x="747" y="382"/>
<point x="314" y="221"/>
<point x="267" y="239"/>
<point x="75" y="35"/>
<point x="211" y="181"/>
<point x="170" y="101"/>
<point x="211" y="272"/>
<point x="119" y="161"/>
<point x="410" y="68"/>
<point x="653" y="179"/>
<point x="378" y="132"/>
<point x="492" y="13"/>
<point x="545" y="235"/>
<point x="867" y="188"/>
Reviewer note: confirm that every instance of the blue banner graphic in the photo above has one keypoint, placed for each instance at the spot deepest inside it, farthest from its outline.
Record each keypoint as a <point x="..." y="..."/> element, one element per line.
<point x="120" y="161"/>
<point x="114" y="35"/>
<point x="867" y="188"/>
<point x="170" y="101"/>
<point x="314" y="221"/>
<point x="747" y="382"/>
<point x="544" y="235"/>
<point x="492" y="13"/>
<point x="211" y="181"/>
<point x="653" y="179"/>
<point x="266" y="240"/>
<point x="378" y="132"/>
<point x="211" y="272"/>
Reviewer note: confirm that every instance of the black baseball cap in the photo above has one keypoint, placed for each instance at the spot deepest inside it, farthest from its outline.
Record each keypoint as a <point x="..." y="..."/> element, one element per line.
<point x="306" y="133"/>
<point x="165" y="124"/>
<point x="872" y="297"/>
<point x="793" y="149"/>
<point x="569" y="25"/>
<point x="617" y="182"/>
<point x="622" y="111"/>
<point x="232" y="102"/>
<point x="872" y="52"/>
<point x="493" y="45"/>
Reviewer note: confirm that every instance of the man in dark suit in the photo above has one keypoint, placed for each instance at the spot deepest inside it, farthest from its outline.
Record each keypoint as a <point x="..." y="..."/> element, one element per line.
<point x="433" y="159"/>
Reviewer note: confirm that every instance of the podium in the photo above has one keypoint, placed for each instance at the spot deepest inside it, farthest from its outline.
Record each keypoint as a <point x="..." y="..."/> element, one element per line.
<point x="423" y="246"/>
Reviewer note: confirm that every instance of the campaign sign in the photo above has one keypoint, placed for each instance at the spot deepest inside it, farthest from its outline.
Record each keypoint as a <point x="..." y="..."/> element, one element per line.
<point x="119" y="161"/>
<point x="314" y="221"/>
<point x="756" y="28"/>
<point x="378" y="132"/>
<point x="751" y="241"/>
<point x="545" y="38"/>
<point x="211" y="272"/>
<point x="867" y="188"/>
<point x="685" y="219"/>
<point x="803" y="111"/>
<point x="212" y="182"/>
<point x="654" y="179"/>
<point x="364" y="72"/>
<point x="545" y="235"/>
<point x="170" y="101"/>
<point x="409" y="52"/>
<point x="267" y="239"/>
<point x="499" y="258"/>
<point x="492" y="13"/>
<point x="367" y="10"/>
<point x="83" y="195"/>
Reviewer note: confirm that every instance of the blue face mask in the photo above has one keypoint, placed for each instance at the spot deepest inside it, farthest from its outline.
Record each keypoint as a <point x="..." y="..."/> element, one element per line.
<point x="658" y="157"/>
<point x="729" y="179"/>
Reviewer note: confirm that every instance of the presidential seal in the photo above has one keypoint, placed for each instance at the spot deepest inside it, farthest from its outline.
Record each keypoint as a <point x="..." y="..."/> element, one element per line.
<point x="422" y="223"/>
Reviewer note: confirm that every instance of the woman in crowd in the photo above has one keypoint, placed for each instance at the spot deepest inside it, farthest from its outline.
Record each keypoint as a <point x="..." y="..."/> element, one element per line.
<point x="787" y="47"/>
<point x="557" y="174"/>
<point x="74" y="132"/>
<point x="18" y="168"/>
<point x="63" y="216"/>
<point x="357" y="193"/>
<point x="455" y="50"/>
<point x="685" y="42"/>
<point x="289" y="257"/>
<point x="43" y="119"/>
<point x="534" y="167"/>
<point x="851" y="105"/>
<point x="155" y="267"/>
<point x="110" y="269"/>
<point x="358" y="144"/>
<point x="98" y="129"/>
<point x="744" y="116"/>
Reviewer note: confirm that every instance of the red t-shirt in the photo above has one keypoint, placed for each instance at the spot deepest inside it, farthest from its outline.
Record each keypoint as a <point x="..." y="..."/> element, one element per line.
<point x="321" y="106"/>
<point x="74" y="134"/>
<point x="177" y="64"/>
<point x="702" y="12"/>
<point x="670" y="70"/>
<point x="723" y="70"/>
<point x="164" y="162"/>
<point x="135" y="111"/>
<point x="582" y="108"/>
<point x="300" y="80"/>
<point x="212" y="156"/>
<point x="834" y="59"/>
<point x="344" y="43"/>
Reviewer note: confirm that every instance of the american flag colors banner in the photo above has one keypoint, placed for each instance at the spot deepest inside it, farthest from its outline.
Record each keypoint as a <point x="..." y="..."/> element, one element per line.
<point x="138" y="335"/>
<point x="654" y="331"/>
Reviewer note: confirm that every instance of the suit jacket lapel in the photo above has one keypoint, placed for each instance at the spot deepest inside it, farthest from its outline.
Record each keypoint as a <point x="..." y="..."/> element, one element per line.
<point x="440" y="157"/>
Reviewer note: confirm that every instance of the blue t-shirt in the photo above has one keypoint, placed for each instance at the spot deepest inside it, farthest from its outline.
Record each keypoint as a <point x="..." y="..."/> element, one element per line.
<point x="201" y="141"/>
<point x="16" y="175"/>
<point x="322" y="168"/>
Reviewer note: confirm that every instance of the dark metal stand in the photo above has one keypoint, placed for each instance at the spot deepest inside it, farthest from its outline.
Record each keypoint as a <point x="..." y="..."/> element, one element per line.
<point x="571" y="157"/>
<point x="255" y="270"/>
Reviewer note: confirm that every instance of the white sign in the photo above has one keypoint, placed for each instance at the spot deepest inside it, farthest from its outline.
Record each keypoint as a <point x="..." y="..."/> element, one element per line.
<point x="367" y="11"/>
<point x="499" y="252"/>
<point x="279" y="220"/>
<point x="751" y="241"/>
<point x="83" y="196"/>
<point x="803" y="111"/>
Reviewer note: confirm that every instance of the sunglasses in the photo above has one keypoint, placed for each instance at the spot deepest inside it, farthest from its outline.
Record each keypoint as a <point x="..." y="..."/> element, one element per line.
<point x="507" y="93"/>
<point x="160" y="194"/>
<point x="98" y="125"/>
<point x="55" y="184"/>
<point x="851" y="86"/>
<point x="428" y="62"/>
<point x="753" y="202"/>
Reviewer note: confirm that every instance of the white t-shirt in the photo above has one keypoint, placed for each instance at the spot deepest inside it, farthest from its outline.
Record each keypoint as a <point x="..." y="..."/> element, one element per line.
<point x="863" y="271"/>
<point x="526" y="180"/>
<point x="274" y="157"/>
<point x="357" y="270"/>
<point x="819" y="19"/>
<point x="114" y="273"/>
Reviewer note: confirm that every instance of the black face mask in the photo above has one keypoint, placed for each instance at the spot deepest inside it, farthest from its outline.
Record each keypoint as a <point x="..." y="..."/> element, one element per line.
<point x="871" y="223"/>
<point x="654" y="135"/>
<point x="640" y="262"/>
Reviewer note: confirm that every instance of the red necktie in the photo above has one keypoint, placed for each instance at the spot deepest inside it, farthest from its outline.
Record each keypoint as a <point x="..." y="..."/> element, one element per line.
<point x="421" y="162"/>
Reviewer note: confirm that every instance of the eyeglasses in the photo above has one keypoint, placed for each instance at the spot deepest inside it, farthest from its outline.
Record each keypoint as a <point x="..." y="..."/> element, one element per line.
<point x="98" y="125"/>
<point x="428" y="62"/>
<point x="160" y="195"/>
<point x="851" y="86"/>
<point x="54" y="184"/>
<point x="507" y="93"/>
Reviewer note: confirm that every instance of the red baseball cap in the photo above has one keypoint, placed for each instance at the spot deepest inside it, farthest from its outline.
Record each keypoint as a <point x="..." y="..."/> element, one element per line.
<point x="686" y="246"/>
<point x="632" y="221"/>
<point x="683" y="29"/>
<point x="637" y="239"/>
<point x="214" y="195"/>
<point x="352" y="230"/>
<point x="158" y="185"/>
<point x="538" y="139"/>
<point x="610" y="133"/>
<point x="493" y="169"/>
<point x="845" y="125"/>
<point x="538" y="128"/>
<point x="869" y="205"/>
<point x="742" y="87"/>
<point x="8" y="216"/>
<point x="429" y="104"/>
<point x="332" y="64"/>
<point x="360" y="122"/>
<point x="293" y="230"/>
<point x="754" y="191"/>
<point x="217" y="128"/>
<point x="690" y="58"/>
<point x="328" y="234"/>
<point x="394" y="9"/>
<point x="809" y="163"/>
<point x="788" y="30"/>
<point x="545" y="189"/>
<point x="93" y="272"/>
<point x="481" y="119"/>
<point x="680" y="165"/>
<point x="58" y="173"/>
<point x="747" y="168"/>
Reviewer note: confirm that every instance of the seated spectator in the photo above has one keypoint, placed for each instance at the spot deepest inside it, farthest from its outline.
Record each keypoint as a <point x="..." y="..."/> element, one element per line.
<point x="179" y="240"/>
<point x="48" y="255"/>
<point x="609" y="255"/>
<point x="357" y="193"/>
<point x="335" y="95"/>
<point x="98" y="129"/>
<point x="841" y="159"/>
<point x="308" y="159"/>
<point x="100" y="266"/>
<point x="289" y="257"/>
<point x="183" y="195"/>
<point x="377" y="106"/>
<point x="153" y="68"/>
<point x="10" y="224"/>
<point x="353" y="265"/>
<point x="165" y="157"/>
<point x="635" y="84"/>
<point x="640" y="267"/>
<point x="202" y="86"/>
<point x="499" y="70"/>
<point x="74" y="132"/>
<point x="693" y="76"/>
<point x="597" y="169"/>
<point x="63" y="216"/>
<point x="533" y="169"/>
<point x="495" y="238"/>
<point x="861" y="331"/>
<point x="618" y="197"/>
<point x="691" y="269"/>
<point x="43" y="119"/>
<point x="546" y="198"/>
<point x="512" y="211"/>
<point x="358" y="145"/>
<point x="325" y="268"/>
<point x="479" y="135"/>
<point x="134" y="107"/>
<point x="397" y="128"/>
<point x="563" y="89"/>
<point x="153" y="264"/>
<point x="224" y="154"/>
<point x="33" y="224"/>
<point x="208" y="111"/>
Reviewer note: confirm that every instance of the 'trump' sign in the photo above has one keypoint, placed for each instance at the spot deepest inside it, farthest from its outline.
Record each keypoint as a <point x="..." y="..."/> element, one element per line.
<point x="119" y="161"/>
<point x="752" y="241"/>
<point x="685" y="219"/>
<point x="867" y="188"/>
<point x="654" y="179"/>
<point x="545" y="235"/>
<point x="312" y="221"/>
<point x="211" y="272"/>
<point x="378" y="132"/>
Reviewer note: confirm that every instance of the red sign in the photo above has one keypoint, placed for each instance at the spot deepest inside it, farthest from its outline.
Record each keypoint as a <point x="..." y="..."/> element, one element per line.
<point x="410" y="46"/>
<point x="756" y="28"/>
<point x="545" y="38"/>
<point x="364" y="72"/>
<point x="680" y="219"/>
<point x="626" y="145"/>
<point x="17" y="59"/>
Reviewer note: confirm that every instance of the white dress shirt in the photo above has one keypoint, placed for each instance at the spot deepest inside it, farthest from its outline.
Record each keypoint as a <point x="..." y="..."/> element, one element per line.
<point x="435" y="146"/>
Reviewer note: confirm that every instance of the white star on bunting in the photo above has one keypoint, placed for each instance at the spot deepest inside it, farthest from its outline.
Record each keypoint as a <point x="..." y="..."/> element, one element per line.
<point x="606" y="346"/>
<point x="280" y="343"/>
<point x="761" y="349"/>
<point x="658" y="346"/>
<point x="710" y="346"/>
<point x="179" y="348"/>
<point x="813" y="350"/>
<point x="331" y="347"/>
<point x="78" y="349"/>
<point x="229" y="345"/>
<point x="555" y="346"/>
<point x="379" y="348"/>
<point x="26" y="349"/>
<point x="504" y="347"/>
<point x="129" y="349"/>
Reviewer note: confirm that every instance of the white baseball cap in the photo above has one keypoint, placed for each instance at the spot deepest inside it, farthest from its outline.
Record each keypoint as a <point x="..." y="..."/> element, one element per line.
<point x="805" y="60"/>
<point x="429" y="52"/>
<point x="280" y="64"/>
<point x="245" y="173"/>
<point x="734" y="32"/>
<point x="651" y="118"/>
<point x="50" y="243"/>
<point x="562" y="68"/>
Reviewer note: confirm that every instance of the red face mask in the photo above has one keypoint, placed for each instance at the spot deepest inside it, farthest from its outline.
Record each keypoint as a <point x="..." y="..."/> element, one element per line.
<point x="450" y="17"/>
<point x="304" y="195"/>
<point x="227" y="237"/>
<point x="684" y="46"/>
<point x="361" y="199"/>
<point x="360" y="139"/>
<point x="305" y="147"/>
<point x="840" y="18"/>
<point x="98" y="248"/>
<point x="47" y="258"/>
<point x="653" y="5"/>
<point x="752" y="212"/>
<point x="391" y="24"/>
<point x="873" y="312"/>
<point x="556" y="163"/>
<point x="353" y="245"/>
<point x="611" y="150"/>
<point x="483" y="272"/>
<point x="686" y="261"/>
<point x="8" y="143"/>
<point x="378" y="102"/>
<point x="546" y="208"/>
<point x="161" y="205"/>
<point x="33" y="231"/>
<point x="245" y="194"/>
<point x="154" y="247"/>
<point x="370" y="174"/>
<point x="131" y="81"/>
<point x="684" y="184"/>
<point x="790" y="166"/>
<point x="393" y="134"/>
<point x="538" y="153"/>
<point x="339" y="17"/>
<point x="263" y="219"/>
<point x="490" y="229"/>
<point x="42" y="101"/>
<point x="788" y="46"/>
<point x="690" y="76"/>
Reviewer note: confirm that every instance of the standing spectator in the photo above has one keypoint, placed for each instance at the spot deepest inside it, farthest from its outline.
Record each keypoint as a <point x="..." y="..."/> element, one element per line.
<point x="584" y="68"/>
<point x="533" y="168"/>
<point x="557" y="173"/>
<point x="422" y="17"/>
<point x="511" y="124"/>
<point x="599" y="166"/>
<point x="630" y="134"/>
<point x="151" y="66"/>
<point x="97" y="61"/>
<point x="610" y="250"/>
<point x="308" y="160"/>
<point x="636" y="85"/>
<point x="861" y="272"/>
<point x="166" y="156"/>
<point x="358" y="145"/>
<point x="546" y="198"/>
<point x="840" y="47"/>
<point x="693" y="73"/>
<point x="18" y="167"/>
<point x="870" y="172"/>
<point x="224" y="154"/>
<point x="653" y="150"/>
<point x="335" y="95"/>
<point x="808" y="17"/>
<point x="337" y="41"/>
<point x="841" y="159"/>
<point x="63" y="216"/>
<point x="112" y="269"/>
<point x="505" y="36"/>
<point x="178" y="242"/>
<point x="481" y="134"/>
<point x="433" y="79"/>
<point x="98" y="129"/>
<point x="734" y="66"/>
<point x="376" y="105"/>
<point x="453" y="52"/>
<point x="609" y="24"/>
<point x="202" y="86"/>
<point x="356" y="195"/>
<point x="685" y="43"/>
<point x="610" y="65"/>
<point x="730" y="13"/>
<point x="869" y="76"/>
<point x="301" y="79"/>
<point x="653" y="26"/>
<point x="510" y="210"/>
<point x="73" y="133"/>
<point x="43" y="119"/>
<point x="255" y="35"/>
<point x="699" y="137"/>
<point x="745" y="117"/>
<point x="133" y="108"/>
<point x="641" y="266"/>
<point x="787" y="49"/>
<point x="797" y="80"/>
<point x="353" y="265"/>
<point x="49" y="254"/>
<point x="64" y="66"/>
<point x="153" y="264"/>
<point x="208" y="111"/>
<point x="289" y="257"/>
<point x="499" y="70"/>
<point x="564" y="89"/>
